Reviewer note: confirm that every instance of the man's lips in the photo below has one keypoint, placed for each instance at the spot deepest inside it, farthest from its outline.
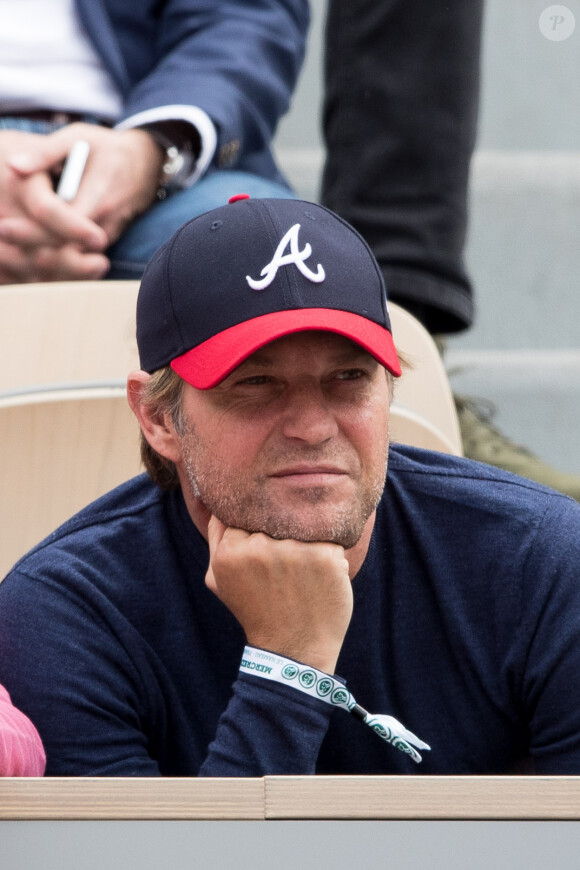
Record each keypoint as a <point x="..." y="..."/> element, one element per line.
<point x="309" y="473"/>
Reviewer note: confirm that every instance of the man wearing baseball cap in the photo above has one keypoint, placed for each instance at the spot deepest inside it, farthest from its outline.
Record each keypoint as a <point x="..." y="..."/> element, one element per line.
<point x="269" y="600"/>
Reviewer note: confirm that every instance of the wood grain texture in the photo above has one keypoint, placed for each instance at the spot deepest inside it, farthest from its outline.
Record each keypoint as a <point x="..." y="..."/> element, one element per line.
<point x="276" y="798"/>
<point x="60" y="450"/>
<point x="76" y="331"/>
<point x="423" y="797"/>
<point x="83" y="798"/>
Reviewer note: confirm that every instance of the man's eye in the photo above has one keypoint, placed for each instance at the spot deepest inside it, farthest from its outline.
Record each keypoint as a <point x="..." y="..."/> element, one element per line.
<point x="350" y="375"/>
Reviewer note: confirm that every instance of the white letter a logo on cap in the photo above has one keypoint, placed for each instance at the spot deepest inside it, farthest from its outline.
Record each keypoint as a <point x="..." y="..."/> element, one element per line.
<point x="295" y="256"/>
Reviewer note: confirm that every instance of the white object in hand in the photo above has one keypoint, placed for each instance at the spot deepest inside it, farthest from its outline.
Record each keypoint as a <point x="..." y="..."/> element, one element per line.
<point x="72" y="172"/>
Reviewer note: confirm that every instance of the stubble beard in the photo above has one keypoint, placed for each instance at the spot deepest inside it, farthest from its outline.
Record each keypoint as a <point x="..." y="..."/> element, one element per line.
<point x="252" y="510"/>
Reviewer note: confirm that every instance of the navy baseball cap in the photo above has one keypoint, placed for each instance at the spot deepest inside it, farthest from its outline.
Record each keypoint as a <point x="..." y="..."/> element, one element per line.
<point x="240" y="276"/>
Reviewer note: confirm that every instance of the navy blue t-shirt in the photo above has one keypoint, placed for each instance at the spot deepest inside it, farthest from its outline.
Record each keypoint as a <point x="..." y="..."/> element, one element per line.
<point x="466" y="628"/>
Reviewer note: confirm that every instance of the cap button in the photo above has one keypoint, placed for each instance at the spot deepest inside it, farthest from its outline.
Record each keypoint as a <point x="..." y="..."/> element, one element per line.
<point x="238" y="196"/>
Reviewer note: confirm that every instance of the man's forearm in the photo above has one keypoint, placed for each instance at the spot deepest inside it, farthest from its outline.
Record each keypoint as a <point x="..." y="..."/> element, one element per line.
<point x="267" y="729"/>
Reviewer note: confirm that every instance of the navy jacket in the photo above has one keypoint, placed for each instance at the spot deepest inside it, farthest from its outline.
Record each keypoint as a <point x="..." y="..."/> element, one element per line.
<point x="238" y="61"/>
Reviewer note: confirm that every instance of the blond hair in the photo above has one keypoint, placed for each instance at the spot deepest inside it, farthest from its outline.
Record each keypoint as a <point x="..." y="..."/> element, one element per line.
<point x="162" y="394"/>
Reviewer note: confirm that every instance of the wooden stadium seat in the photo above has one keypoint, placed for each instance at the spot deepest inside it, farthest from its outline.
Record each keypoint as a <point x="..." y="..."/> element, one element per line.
<point x="408" y="427"/>
<point x="423" y="411"/>
<point x="60" y="449"/>
<point x="68" y="332"/>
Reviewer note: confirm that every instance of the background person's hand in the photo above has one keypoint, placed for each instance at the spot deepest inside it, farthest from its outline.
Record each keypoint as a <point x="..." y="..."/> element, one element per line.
<point x="44" y="238"/>
<point x="290" y="597"/>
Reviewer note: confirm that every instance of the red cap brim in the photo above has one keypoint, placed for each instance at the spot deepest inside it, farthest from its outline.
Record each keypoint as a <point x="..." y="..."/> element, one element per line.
<point x="209" y="363"/>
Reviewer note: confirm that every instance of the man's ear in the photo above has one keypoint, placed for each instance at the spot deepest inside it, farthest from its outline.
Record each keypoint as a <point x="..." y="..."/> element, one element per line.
<point x="157" y="427"/>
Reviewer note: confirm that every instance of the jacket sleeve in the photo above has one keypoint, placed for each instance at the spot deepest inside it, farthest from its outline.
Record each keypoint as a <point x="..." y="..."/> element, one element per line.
<point x="235" y="60"/>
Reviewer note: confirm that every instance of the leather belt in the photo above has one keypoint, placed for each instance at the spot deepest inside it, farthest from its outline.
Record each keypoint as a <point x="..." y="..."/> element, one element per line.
<point x="50" y="115"/>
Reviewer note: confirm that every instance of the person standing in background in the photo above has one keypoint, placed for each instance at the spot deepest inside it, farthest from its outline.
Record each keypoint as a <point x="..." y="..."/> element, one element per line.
<point x="400" y="120"/>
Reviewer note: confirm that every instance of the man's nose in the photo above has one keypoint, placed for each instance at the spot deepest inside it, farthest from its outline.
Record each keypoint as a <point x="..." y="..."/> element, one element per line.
<point x="307" y="416"/>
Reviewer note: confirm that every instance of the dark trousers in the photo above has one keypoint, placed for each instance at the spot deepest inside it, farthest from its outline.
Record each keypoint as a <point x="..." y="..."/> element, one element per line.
<point x="400" y="119"/>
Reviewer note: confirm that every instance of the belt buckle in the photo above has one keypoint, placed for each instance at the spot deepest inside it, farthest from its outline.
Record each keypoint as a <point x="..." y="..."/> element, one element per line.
<point x="62" y="118"/>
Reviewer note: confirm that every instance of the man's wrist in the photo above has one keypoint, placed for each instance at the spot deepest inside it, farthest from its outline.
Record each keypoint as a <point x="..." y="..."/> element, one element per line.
<point x="330" y="690"/>
<point x="180" y="144"/>
<point x="304" y="678"/>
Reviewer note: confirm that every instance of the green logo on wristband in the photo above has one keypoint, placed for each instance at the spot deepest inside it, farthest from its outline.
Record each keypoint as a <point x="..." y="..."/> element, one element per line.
<point x="290" y="672"/>
<point x="307" y="679"/>
<point x="381" y="730"/>
<point x="324" y="686"/>
<point x="340" y="696"/>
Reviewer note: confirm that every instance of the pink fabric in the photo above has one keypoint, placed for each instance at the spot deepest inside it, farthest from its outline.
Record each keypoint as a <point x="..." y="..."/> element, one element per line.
<point x="21" y="750"/>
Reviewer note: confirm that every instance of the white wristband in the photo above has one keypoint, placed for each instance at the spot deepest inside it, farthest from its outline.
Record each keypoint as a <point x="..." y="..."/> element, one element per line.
<point x="317" y="684"/>
<point x="311" y="681"/>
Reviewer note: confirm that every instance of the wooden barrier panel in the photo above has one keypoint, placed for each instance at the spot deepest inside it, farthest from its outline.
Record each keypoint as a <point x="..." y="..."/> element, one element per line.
<point x="91" y="799"/>
<point x="300" y="798"/>
<point x="423" y="797"/>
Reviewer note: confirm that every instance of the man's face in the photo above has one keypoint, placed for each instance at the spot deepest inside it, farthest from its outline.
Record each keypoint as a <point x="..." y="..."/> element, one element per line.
<point x="293" y="443"/>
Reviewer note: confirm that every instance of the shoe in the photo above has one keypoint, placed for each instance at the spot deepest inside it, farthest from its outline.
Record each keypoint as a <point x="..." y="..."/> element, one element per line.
<point x="482" y="441"/>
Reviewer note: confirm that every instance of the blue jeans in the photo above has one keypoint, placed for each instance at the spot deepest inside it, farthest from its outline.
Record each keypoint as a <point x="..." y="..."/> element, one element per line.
<point x="131" y="252"/>
<point x="136" y="246"/>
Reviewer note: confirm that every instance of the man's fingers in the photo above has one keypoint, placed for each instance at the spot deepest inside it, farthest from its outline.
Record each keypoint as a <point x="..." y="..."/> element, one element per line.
<point x="60" y="220"/>
<point x="42" y="218"/>
<point x="25" y="233"/>
<point x="38" y="200"/>
<point x="67" y="263"/>
<point x="292" y="597"/>
<point x="215" y="532"/>
<point x="45" y="154"/>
